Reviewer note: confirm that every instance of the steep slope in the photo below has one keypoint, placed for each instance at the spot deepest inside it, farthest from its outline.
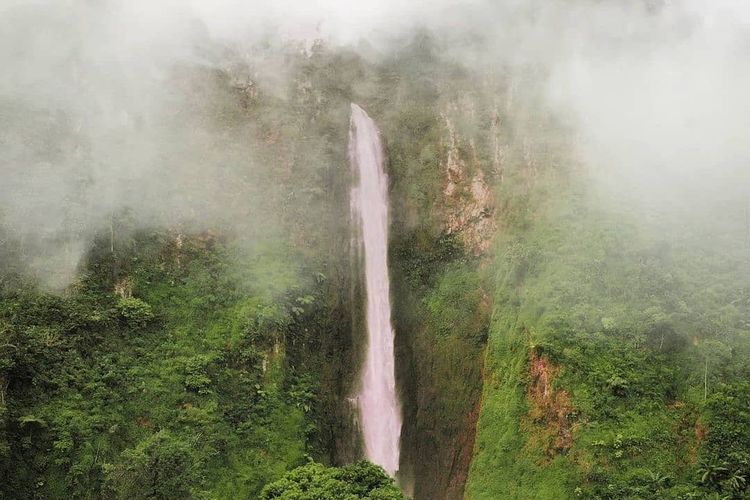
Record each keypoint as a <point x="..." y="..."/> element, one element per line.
<point x="199" y="354"/>
<point x="616" y="363"/>
<point x="595" y="355"/>
<point x="440" y="299"/>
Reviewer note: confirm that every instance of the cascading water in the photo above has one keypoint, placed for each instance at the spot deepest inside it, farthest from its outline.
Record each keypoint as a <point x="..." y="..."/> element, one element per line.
<point x="380" y="412"/>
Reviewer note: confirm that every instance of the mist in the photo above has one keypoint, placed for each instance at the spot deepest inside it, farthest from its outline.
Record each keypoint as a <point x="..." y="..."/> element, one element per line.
<point x="238" y="236"/>
<point x="653" y="92"/>
<point x="97" y="104"/>
<point x="659" y="101"/>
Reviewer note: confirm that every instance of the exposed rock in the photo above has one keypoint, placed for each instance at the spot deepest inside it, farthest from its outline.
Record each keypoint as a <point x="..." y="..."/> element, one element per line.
<point x="124" y="288"/>
<point x="549" y="408"/>
<point x="463" y="454"/>
<point x="469" y="200"/>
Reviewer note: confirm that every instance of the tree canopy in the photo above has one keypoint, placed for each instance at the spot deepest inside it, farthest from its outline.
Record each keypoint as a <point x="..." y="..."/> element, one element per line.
<point x="360" y="480"/>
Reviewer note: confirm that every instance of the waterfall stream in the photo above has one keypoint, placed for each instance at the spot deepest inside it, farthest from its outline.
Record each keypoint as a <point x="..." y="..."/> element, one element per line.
<point x="380" y="412"/>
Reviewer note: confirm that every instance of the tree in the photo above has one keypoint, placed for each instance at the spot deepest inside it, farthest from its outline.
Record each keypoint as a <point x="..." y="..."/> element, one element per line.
<point x="360" y="480"/>
<point x="160" y="467"/>
<point x="134" y="312"/>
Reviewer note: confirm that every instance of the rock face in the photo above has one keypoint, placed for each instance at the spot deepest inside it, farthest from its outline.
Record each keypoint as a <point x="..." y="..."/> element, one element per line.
<point x="447" y="367"/>
<point x="469" y="201"/>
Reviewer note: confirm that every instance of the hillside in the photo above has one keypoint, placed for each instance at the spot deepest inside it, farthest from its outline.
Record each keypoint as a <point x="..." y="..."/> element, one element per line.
<point x="556" y="337"/>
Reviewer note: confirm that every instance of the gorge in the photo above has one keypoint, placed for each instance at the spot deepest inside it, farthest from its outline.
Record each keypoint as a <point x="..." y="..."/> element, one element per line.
<point x="493" y="251"/>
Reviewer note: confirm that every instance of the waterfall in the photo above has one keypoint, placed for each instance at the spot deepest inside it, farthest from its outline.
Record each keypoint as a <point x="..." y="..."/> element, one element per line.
<point x="380" y="412"/>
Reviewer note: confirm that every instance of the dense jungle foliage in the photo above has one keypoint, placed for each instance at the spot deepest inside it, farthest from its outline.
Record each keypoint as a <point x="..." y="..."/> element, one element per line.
<point x="617" y="357"/>
<point x="592" y="355"/>
<point x="358" y="480"/>
<point x="185" y="362"/>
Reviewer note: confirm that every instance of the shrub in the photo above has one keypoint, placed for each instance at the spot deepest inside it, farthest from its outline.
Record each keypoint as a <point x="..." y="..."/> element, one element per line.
<point x="360" y="480"/>
<point x="134" y="312"/>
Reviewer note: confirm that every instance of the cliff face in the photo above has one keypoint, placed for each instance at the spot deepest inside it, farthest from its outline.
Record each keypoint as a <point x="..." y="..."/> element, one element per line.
<point x="547" y="346"/>
<point x="444" y="217"/>
<point x="584" y="329"/>
<point x="600" y="337"/>
<point x="468" y="201"/>
<point x="194" y="358"/>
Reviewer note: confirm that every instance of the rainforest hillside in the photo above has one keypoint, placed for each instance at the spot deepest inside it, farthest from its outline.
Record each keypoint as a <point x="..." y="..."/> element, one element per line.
<point x="182" y="296"/>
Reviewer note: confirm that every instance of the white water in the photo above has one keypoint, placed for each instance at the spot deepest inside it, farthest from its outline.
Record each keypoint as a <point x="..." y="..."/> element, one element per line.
<point x="380" y="412"/>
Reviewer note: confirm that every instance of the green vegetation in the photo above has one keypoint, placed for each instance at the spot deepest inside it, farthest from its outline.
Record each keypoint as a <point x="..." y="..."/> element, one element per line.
<point x="360" y="480"/>
<point x="441" y="310"/>
<point x="196" y="388"/>
<point x="193" y="363"/>
<point x="602" y="357"/>
<point x="617" y="356"/>
<point x="210" y="362"/>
